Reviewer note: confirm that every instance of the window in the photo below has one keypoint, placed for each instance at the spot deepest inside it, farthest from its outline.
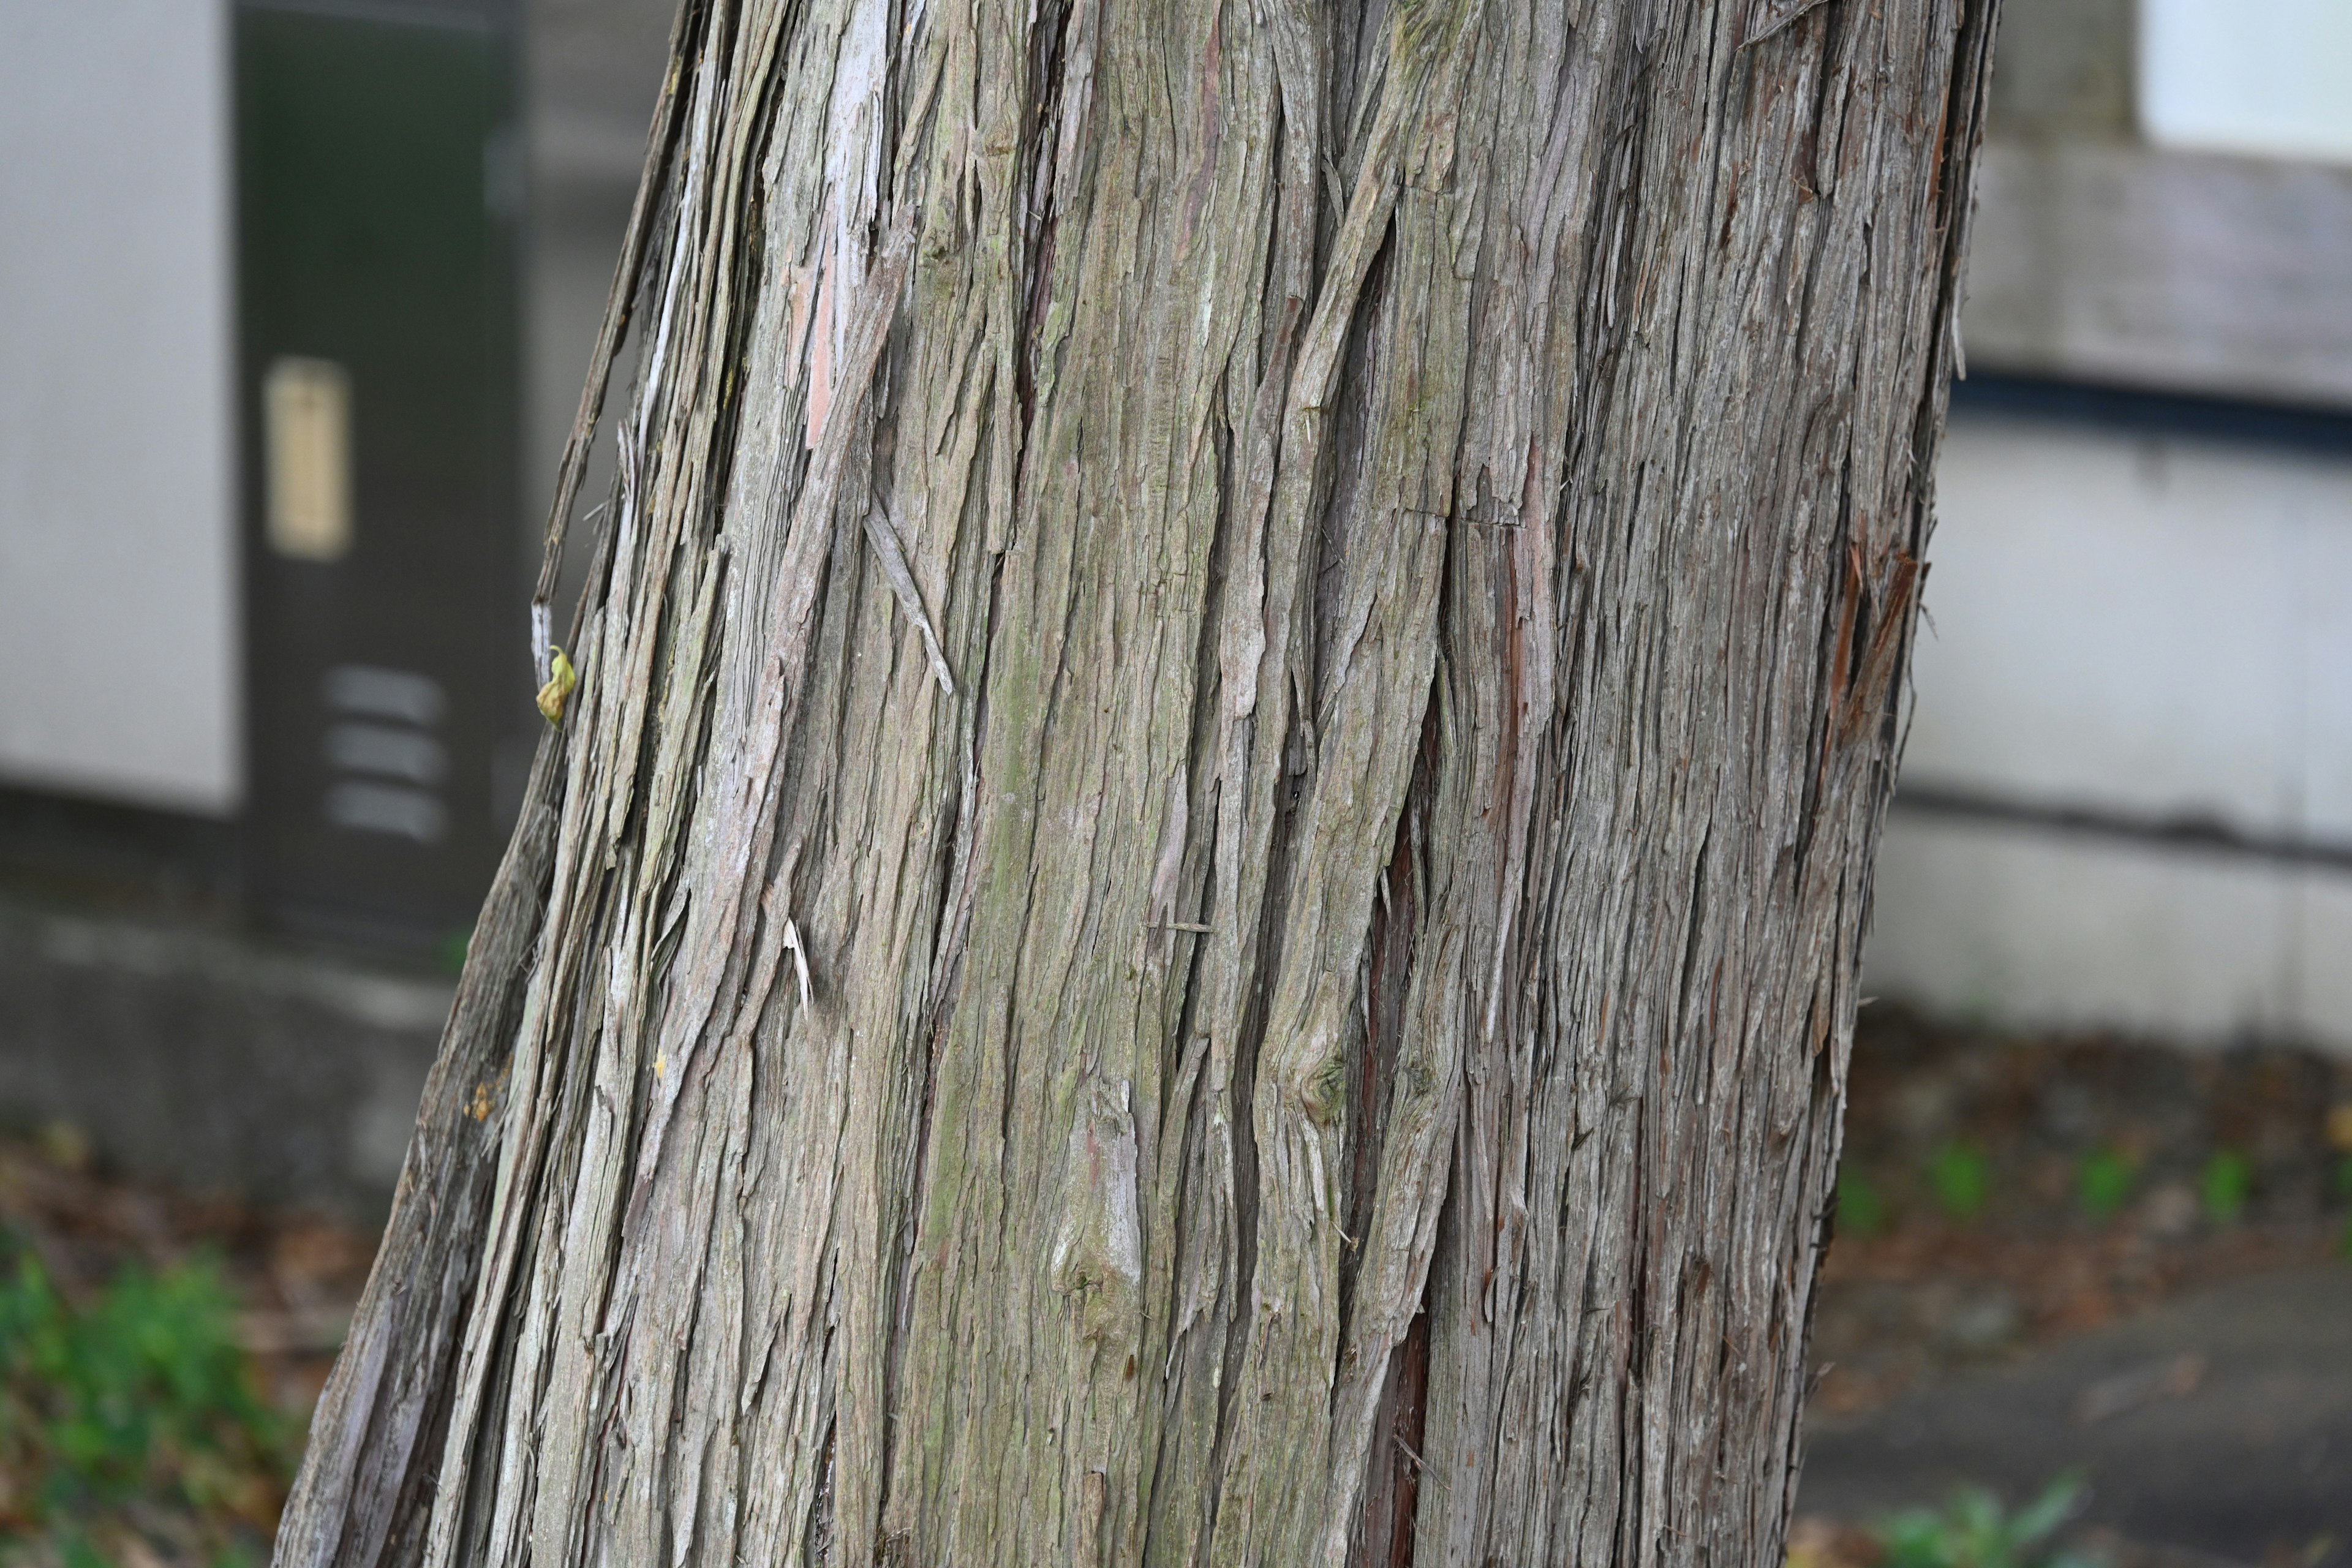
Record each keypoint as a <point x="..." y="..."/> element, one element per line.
<point x="2259" y="77"/>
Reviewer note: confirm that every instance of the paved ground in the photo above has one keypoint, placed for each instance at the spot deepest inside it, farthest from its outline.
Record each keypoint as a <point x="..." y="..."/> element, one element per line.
<point x="2221" y="1422"/>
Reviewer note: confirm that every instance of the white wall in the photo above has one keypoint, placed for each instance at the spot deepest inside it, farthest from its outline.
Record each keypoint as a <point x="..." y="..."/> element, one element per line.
<point x="2144" y="626"/>
<point x="118" y="560"/>
<point x="2263" y="78"/>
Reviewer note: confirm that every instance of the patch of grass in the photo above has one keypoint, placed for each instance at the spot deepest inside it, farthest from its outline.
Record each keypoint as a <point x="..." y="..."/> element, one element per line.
<point x="2103" y="1182"/>
<point x="1973" y="1530"/>
<point x="139" y="1397"/>
<point x="2227" y="1184"/>
<point x="1962" y="1178"/>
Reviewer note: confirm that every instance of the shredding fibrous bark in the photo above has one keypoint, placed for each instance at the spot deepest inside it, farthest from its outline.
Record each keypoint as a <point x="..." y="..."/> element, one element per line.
<point x="1201" y="899"/>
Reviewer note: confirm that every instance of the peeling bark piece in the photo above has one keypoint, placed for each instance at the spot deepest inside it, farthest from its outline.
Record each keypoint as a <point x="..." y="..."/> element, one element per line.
<point x="1766" y="17"/>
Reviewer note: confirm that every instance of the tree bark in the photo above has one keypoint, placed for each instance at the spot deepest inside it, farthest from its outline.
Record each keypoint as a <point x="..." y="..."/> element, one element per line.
<point x="1201" y="901"/>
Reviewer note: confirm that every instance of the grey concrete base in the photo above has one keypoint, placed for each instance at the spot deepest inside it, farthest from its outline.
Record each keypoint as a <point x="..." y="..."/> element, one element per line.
<point x="213" y="1063"/>
<point x="2221" y="1422"/>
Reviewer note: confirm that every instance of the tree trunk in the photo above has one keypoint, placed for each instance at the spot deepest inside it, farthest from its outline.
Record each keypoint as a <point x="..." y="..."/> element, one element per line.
<point x="1199" y="903"/>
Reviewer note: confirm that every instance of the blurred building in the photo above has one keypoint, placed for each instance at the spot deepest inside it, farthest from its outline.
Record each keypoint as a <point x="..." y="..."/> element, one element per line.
<point x="301" y="297"/>
<point x="303" y="292"/>
<point x="2127" y="796"/>
<point x="259" y="451"/>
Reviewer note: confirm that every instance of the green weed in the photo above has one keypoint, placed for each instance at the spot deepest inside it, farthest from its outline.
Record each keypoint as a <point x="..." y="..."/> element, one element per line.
<point x="1973" y="1530"/>
<point x="2227" y="1184"/>
<point x="1962" y="1178"/>
<point x="1861" y="1207"/>
<point x="141" y="1396"/>
<point x="2103" y="1182"/>
<point x="2343" y="1190"/>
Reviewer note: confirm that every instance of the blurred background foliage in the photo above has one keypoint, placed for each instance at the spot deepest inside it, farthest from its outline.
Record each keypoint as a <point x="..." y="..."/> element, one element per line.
<point x="132" y="1415"/>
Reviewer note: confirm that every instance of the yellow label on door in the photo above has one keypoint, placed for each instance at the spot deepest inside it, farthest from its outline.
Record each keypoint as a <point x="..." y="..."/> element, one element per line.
<point x="306" y="410"/>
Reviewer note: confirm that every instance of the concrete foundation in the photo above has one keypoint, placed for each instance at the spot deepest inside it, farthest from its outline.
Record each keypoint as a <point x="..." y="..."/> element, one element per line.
<point x="203" y="1059"/>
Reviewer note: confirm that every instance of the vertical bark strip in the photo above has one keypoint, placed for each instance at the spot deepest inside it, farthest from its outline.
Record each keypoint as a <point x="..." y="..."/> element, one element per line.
<point x="1201" y="898"/>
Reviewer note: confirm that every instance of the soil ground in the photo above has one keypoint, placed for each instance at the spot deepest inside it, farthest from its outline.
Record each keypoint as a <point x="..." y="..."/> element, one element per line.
<point x="2030" y="1231"/>
<point x="2089" y="1256"/>
<point x="2216" y="1426"/>
<point x="2000" y="1192"/>
<point x="296" y="1276"/>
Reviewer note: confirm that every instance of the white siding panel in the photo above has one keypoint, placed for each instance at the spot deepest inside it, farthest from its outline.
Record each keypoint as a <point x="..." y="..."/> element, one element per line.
<point x="2142" y="624"/>
<point x="2032" y="930"/>
<point x="117" y="561"/>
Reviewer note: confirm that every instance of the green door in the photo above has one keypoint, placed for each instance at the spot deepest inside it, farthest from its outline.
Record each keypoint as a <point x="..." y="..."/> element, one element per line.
<point x="386" y="656"/>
